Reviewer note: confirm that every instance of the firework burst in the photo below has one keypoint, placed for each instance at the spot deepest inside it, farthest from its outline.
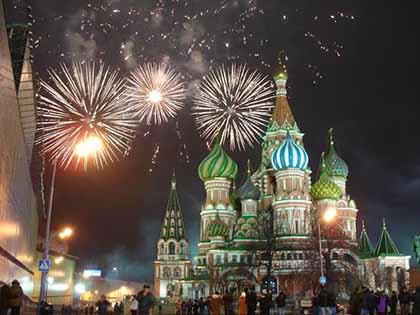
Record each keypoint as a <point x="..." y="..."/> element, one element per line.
<point x="83" y="116"/>
<point x="234" y="102"/>
<point x="156" y="91"/>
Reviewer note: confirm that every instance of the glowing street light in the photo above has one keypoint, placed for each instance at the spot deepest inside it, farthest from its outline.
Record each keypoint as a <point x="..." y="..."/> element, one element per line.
<point x="59" y="260"/>
<point x="66" y="233"/>
<point x="329" y="215"/>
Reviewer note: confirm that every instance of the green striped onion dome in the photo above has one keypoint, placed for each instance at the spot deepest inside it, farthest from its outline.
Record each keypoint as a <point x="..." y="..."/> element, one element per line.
<point x="335" y="165"/>
<point x="324" y="187"/>
<point x="247" y="227"/>
<point x="217" y="164"/>
<point x="217" y="228"/>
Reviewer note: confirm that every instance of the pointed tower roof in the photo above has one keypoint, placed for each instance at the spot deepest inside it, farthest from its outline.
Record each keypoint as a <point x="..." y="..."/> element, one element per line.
<point x="282" y="113"/>
<point x="365" y="247"/>
<point x="173" y="220"/>
<point x="386" y="246"/>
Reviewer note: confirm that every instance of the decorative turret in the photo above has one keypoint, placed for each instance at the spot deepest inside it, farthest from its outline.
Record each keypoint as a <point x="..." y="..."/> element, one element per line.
<point x="217" y="164"/>
<point x="365" y="249"/>
<point x="248" y="191"/>
<point x="386" y="246"/>
<point x="289" y="155"/>
<point x="246" y="226"/>
<point x="335" y="165"/>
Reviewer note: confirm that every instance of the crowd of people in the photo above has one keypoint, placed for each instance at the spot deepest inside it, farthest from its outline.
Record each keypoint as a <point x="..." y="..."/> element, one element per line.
<point x="364" y="301"/>
<point x="245" y="304"/>
<point x="11" y="298"/>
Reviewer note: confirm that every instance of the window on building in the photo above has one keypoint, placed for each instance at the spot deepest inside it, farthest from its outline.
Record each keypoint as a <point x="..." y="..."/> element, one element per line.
<point x="166" y="272"/>
<point x="297" y="227"/>
<point x="172" y="232"/>
<point x="218" y="260"/>
<point x="181" y="249"/>
<point x="177" y="272"/>
<point x="289" y="256"/>
<point x="242" y="259"/>
<point x="234" y="259"/>
<point x="204" y="261"/>
<point x="171" y="248"/>
<point x="161" y="249"/>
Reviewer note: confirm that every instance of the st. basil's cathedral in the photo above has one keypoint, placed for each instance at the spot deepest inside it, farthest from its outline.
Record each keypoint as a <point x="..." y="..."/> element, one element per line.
<point x="269" y="232"/>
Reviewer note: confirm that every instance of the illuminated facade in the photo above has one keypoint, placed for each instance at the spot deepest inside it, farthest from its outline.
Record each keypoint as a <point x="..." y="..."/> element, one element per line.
<point x="18" y="213"/>
<point x="266" y="232"/>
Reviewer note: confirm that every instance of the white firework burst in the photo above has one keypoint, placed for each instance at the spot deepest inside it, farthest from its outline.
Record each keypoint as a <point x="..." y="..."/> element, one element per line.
<point x="156" y="91"/>
<point x="83" y="116"/>
<point x="234" y="102"/>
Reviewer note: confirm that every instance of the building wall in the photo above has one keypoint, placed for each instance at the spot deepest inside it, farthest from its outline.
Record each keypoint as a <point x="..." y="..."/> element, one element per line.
<point x="18" y="214"/>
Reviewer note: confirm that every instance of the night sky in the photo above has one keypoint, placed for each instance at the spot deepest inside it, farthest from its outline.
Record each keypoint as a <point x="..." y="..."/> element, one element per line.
<point x="368" y="94"/>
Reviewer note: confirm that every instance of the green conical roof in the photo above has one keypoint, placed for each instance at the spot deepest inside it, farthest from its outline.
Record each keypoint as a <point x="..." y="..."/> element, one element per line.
<point x="324" y="187"/>
<point x="365" y="247"/>
<point x="386" y="246"/>
<point x="217" y="164"/>
<point x="173" y="223"/>
<point x="217" y="228"/>
<point x="335" y="165"/>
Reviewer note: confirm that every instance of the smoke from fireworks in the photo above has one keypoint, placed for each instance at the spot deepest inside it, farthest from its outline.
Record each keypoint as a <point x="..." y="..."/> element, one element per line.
<point x="84" y="117"/>
<point x="235" y="102"/>
<point x="156" y="91"/>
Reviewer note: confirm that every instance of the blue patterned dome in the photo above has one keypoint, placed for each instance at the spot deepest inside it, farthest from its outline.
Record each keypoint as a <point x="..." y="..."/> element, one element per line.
<point x="289" y="155"/>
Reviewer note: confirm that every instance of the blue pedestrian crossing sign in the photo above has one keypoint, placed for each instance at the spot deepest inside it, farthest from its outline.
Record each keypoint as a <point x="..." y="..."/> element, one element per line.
<point x="322" y="280"/>
<point x="44" y="265"/>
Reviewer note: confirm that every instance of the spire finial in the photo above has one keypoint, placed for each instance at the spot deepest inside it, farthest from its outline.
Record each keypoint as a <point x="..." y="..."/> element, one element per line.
<point x="383" y="223"/>
<point x="248" y="171"/>
<point x="173" y="180"/>
<point x="331" y="136"/>
<point x="363" y="226"/>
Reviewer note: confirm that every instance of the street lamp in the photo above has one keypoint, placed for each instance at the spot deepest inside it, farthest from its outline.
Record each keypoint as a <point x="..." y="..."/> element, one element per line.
<point x="83" y="149"/>
<point x="329" y="215"/>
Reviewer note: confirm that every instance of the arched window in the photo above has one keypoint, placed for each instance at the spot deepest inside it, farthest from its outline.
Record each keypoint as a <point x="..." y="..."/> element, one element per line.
<point x="297" y="226"/>
<point x="166" y="272"/>
<point x="172" y="232"/>
<point x="182" y="249"/>
<point x="171" y="248"/>
<point x="177" y="272"/>
<point x="161" y="249"/>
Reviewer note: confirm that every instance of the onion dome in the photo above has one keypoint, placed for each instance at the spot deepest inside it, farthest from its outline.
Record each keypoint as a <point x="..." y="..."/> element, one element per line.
<point x="217" y="228"/>
<point x="324" y="187"/>
<point x="248" y="190"/>
<point x="217" y="164"/>
<point x="335" y="165"/>
<point x="289" y="155"/>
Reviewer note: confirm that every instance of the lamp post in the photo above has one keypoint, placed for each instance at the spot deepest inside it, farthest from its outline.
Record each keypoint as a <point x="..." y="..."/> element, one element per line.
<point x="82" y="149"/>
<point x="328" y="216"/>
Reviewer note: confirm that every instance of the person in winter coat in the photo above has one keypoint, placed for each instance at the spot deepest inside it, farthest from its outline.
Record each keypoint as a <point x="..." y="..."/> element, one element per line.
<point x="196" y="307"/>
<point x="332" y="303"/>
<point x="103" y="306"/>
<point x="146" y="300"/>
<point x="404" y="298"/>
<point x="416" y="300"/>
<point x="189" y="307"/>
<point x="242" y="307"/>
<point x="4" y="299"/>
<point x="202" y="306"/>
<point x="215" y="303"/>
<point x="134" y="306"/>
<point x="355" y="302"/>
<point x="281" y="303"/>
<point x="251" y="301"/>
<point x="393" y="301"/>
<point x="382" y="306"/>
<point x="264" y="303"/>
<point x="15" y="297"/>
<point x="178" y="307"/>
<point x="323" y="301"/>
<point x="228" y="303"/>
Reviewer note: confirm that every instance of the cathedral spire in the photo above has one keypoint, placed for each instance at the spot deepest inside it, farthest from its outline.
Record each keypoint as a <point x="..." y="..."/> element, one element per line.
<point x="282" y="112"/>
<point x="365" y="248"/>
<point x="173" y="224"/>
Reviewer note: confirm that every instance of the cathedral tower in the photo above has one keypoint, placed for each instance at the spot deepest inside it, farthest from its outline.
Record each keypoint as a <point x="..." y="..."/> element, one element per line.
<point x="218" y="216"/>
<point x="172" y="248"/>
